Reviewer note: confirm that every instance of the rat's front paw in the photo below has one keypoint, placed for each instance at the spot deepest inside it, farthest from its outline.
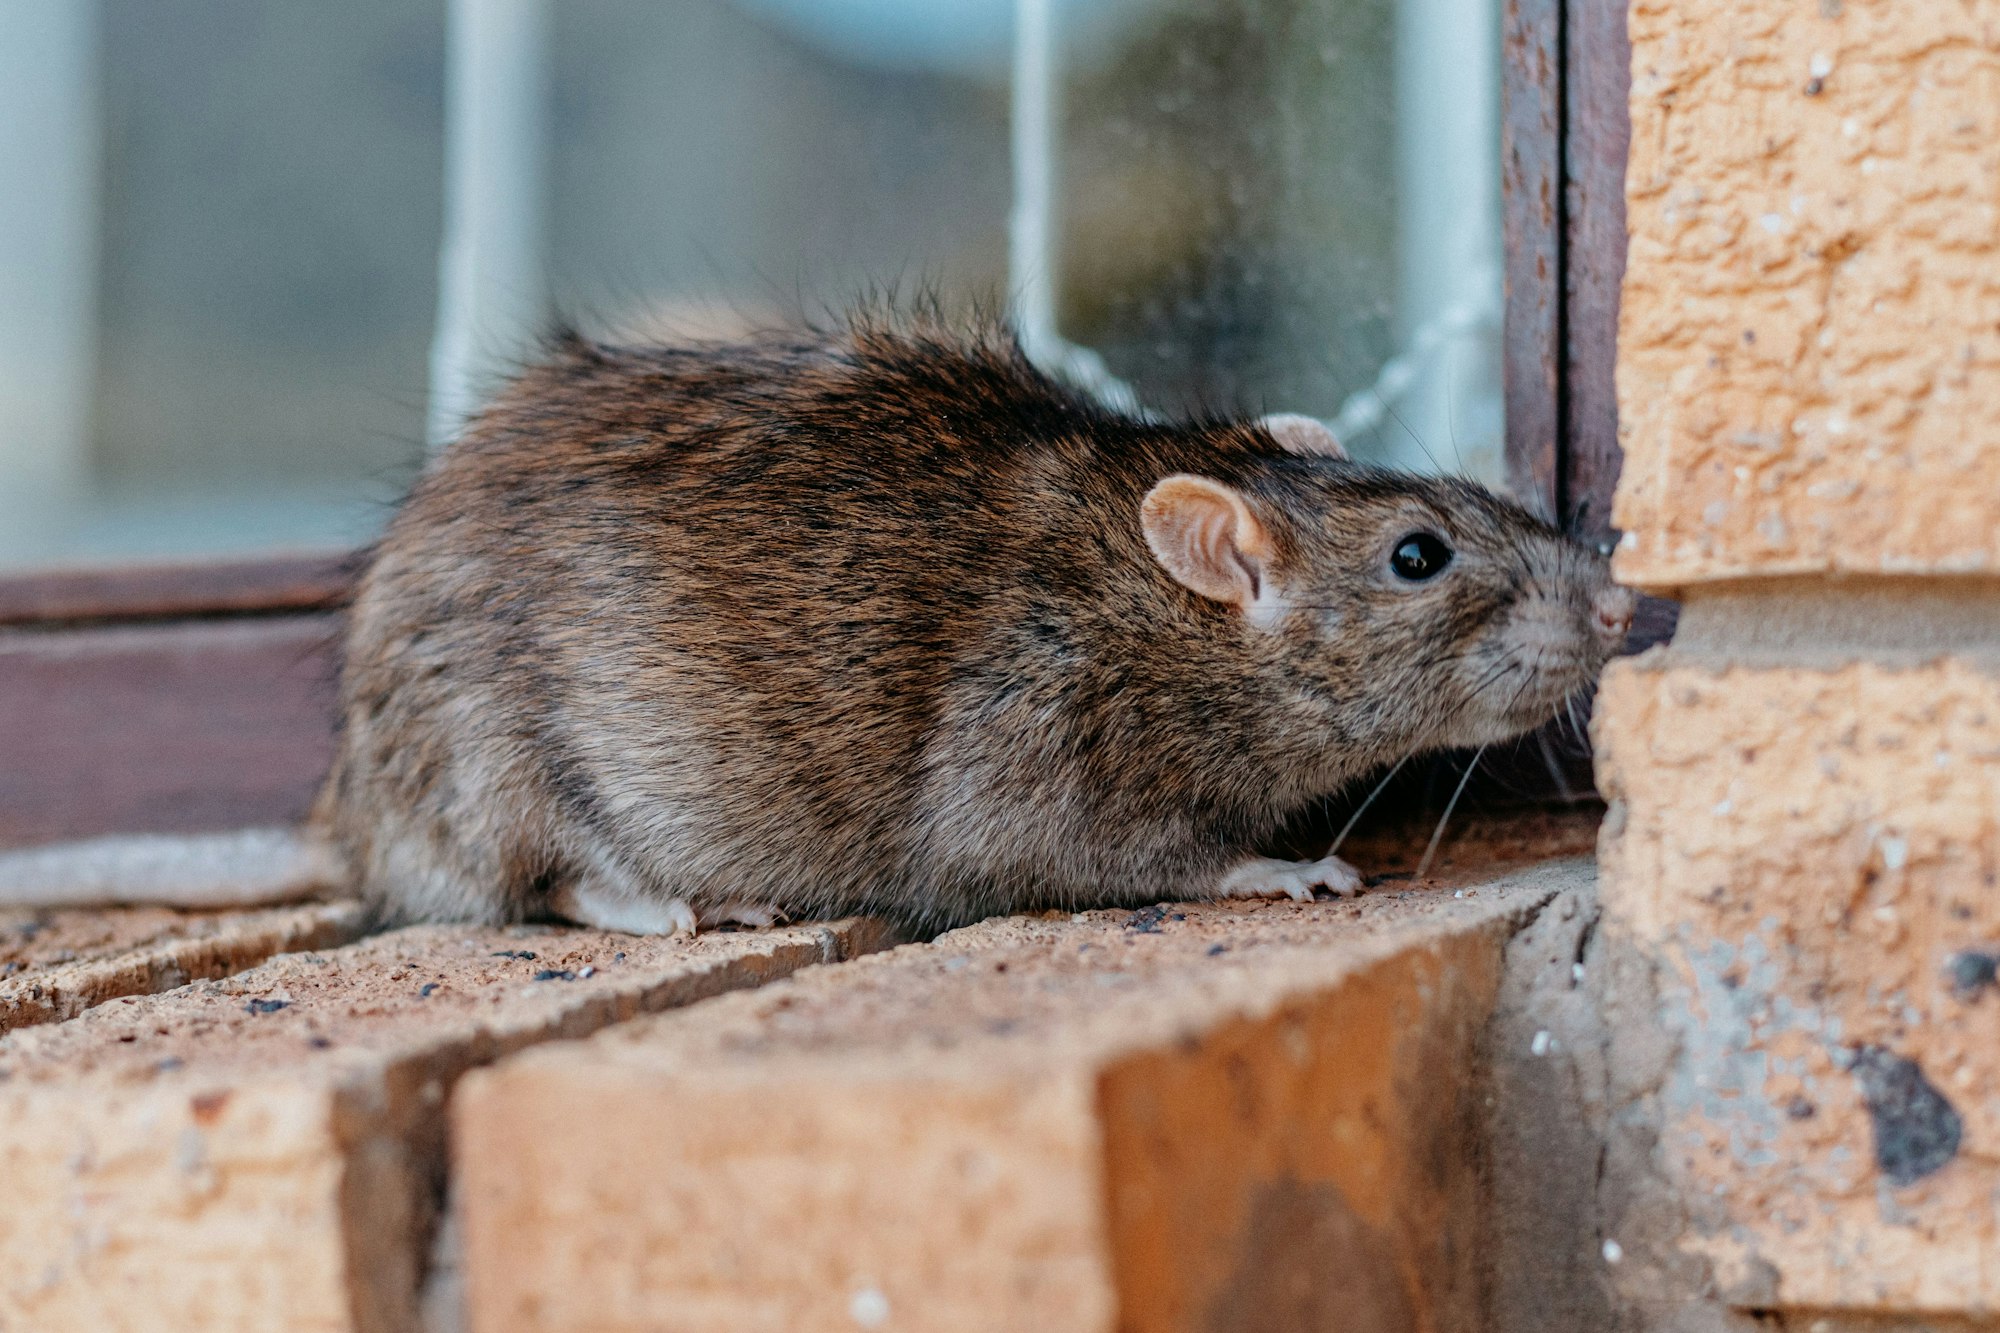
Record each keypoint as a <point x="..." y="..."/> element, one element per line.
<point x="1263" y="877"/>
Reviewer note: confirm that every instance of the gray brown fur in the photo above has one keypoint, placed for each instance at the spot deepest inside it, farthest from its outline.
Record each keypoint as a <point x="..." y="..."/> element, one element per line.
<point x="865" y="622"/>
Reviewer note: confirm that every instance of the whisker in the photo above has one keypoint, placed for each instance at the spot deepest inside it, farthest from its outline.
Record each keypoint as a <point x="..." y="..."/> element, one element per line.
<point x="1398" y="418"/>
<point x="1362" y="809"/>
<point x="1451" y="805"/>
<point x="1554" y="767"/>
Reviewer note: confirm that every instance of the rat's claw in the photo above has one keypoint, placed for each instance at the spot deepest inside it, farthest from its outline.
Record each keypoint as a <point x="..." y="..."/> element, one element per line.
<point x="744" y="914"/>
<point x="1337" y="877"/>
<point x="1264" y="877"/>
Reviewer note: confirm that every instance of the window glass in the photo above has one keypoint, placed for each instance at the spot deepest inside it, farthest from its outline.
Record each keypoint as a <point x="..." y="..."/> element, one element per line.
<point x="714" y="163"/>
<point x="221" y="222"/>
<point x="247" y="196"/>
<point x="1294" y="205"/>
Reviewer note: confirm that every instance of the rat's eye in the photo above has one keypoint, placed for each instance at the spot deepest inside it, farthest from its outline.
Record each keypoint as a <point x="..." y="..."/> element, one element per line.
<point x="1420" y="556"/>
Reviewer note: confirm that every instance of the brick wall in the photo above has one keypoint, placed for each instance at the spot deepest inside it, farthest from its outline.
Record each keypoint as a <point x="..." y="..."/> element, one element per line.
<point x="1245" y="1115"/>
<point x="1801" y="856"/>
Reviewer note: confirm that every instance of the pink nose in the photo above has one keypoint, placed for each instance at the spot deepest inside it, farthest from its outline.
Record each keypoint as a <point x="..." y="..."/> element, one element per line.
<point x="1612" y="609"/>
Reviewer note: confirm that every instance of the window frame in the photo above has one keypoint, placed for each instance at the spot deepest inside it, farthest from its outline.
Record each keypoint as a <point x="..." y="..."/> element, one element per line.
<point x="201" y="695"/>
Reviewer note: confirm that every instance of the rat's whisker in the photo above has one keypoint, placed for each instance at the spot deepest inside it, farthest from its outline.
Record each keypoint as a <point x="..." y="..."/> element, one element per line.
<point x="1362" y="809"/>
<point x="1554" y="765"/>
<point x="1414" y="438"/>
<point x="1451" y="805"/>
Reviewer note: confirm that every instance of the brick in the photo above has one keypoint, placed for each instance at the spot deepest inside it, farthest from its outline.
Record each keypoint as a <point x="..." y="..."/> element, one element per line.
<point x="267" y="1150"/>
<point x="1215" y="1116"/>
<point x="55" y="965"/>
<point x="1809" y="368"/>
<point x="1808" y="855"/>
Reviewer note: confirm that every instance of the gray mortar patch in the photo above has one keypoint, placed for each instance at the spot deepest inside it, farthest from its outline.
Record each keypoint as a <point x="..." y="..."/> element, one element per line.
<point x="1916" y="1130"/>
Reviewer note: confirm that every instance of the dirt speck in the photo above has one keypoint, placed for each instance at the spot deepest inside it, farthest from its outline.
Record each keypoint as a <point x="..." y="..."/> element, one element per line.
<point x="1917" y="1131"/>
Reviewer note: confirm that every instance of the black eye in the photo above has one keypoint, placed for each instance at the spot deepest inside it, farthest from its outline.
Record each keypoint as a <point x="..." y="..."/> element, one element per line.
<point x="1420" y="556"/>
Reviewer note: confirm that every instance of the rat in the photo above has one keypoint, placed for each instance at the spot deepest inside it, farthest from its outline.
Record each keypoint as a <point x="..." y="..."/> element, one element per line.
<point x="884" y="620"/>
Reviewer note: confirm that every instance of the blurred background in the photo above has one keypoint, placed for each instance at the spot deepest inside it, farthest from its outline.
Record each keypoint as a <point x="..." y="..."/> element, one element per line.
<point x="256" y="257"/>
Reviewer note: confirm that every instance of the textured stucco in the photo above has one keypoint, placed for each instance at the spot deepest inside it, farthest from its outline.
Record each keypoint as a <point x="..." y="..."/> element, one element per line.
<point x="1809" y="367"/>
<point x="1809" y="856"/>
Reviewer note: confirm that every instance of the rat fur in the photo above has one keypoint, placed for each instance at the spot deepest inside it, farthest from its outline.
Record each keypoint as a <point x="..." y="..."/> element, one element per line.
<point x="875" y="621"/>
<point x="883" y="620"/>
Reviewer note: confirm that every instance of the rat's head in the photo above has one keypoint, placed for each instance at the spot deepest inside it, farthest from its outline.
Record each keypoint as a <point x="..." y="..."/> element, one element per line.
<point x="1407" y="612"/>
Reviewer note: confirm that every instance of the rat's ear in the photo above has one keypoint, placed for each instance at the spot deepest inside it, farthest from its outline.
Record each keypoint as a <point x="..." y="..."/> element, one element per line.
<point x="1204" y="534"/>
<point x="1302" y="435"/>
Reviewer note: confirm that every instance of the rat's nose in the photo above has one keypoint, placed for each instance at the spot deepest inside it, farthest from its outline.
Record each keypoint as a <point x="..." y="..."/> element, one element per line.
<point x="1611" y="609"/>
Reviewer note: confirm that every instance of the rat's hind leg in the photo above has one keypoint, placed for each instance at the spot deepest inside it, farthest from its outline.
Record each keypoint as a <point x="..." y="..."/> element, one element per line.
<point x="1263" y="877"/>
<point x="606" y="897"/>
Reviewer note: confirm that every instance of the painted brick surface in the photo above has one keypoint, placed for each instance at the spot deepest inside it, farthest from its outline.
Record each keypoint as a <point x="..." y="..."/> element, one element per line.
<point x="1810" y="859"/>
<point x="1227" y="1116"/>
<point x="1809" y="367"/>
<point x="266" y="1151"/>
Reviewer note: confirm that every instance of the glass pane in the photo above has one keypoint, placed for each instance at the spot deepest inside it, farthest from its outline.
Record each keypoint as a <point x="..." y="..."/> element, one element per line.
<point x="220" y="222"/>
<point x="1294" y="205"/>
<point x="228" y="212"/>
<point x="721" y="163"/>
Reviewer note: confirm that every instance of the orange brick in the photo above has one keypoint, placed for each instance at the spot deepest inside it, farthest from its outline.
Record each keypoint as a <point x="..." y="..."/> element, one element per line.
<point x="1809" y="855"/>
<point x="1219" y="1116"/>
<point x="267" y="1151"/>
<point x="55" y="965"/>
<point x="1809" y="367"/>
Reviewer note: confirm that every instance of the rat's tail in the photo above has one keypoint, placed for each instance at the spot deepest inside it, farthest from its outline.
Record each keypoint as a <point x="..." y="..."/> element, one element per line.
<point x="250" y="868"/>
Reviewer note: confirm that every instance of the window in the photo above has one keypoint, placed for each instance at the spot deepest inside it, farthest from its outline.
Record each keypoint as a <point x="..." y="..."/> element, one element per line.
<point x="253" y="257"/>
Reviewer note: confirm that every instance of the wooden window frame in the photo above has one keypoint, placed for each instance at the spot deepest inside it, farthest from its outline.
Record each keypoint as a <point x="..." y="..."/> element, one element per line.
<point x="200" y="696"/>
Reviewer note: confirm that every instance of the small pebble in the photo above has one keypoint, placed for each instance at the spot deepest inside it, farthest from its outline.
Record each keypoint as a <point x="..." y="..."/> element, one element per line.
<point x="586" y="972"/>
<point x="1542" y="1043"/>
<point x="525" y="955"/>
<point x="618" y="957"/>
<point x="1215" y="949"/>
<point x="1613" y="1251"/>
<point x="555" y="974"/>
<point x="429" y="987"/>
<point x="266" y="1006"/>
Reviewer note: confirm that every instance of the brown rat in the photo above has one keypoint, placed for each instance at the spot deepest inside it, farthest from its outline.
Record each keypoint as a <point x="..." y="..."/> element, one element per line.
<point x="886" y="621"/>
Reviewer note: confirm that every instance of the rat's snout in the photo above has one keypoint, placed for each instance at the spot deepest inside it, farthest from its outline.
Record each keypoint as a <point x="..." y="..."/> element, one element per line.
<point x="1611" y="614"/>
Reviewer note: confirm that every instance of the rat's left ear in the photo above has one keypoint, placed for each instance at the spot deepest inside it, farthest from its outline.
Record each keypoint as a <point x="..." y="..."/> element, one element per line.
<point x="1205" y="535"/>
<point x="1302" y="435"/>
